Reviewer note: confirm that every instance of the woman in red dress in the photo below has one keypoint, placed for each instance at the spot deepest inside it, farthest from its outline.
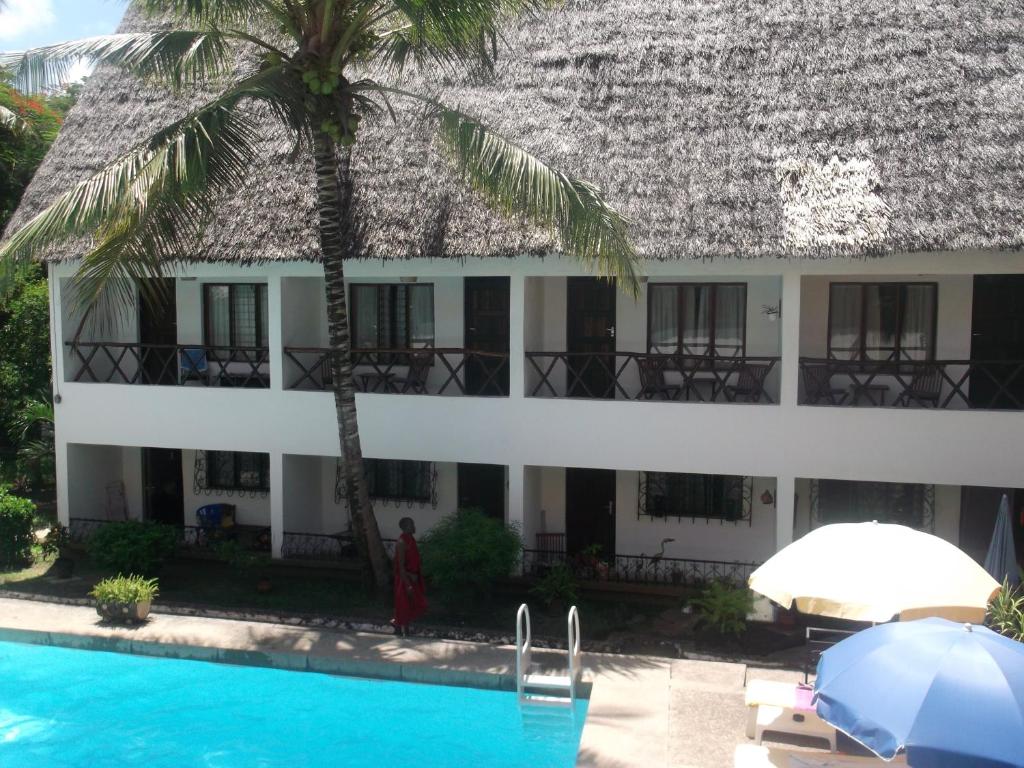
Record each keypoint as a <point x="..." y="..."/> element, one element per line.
<point x="410" y="596"/>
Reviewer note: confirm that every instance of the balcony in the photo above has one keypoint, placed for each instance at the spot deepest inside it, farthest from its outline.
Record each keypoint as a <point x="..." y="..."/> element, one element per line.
<point x="423" y="371"/>
<point x="641" y="376"/>
<point x="111" y="362"/>
<point x="944" y="384"/>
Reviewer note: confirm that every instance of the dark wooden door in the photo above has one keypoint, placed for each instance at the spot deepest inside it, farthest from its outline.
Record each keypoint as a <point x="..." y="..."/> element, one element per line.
<point x="591" y="316"/>
<point x="158" y="334"/>
<point x="997" y="333"/>
<point x="487" y="330"/>
<point x="164" y="493"/>
<point x="482" y="487"/>
<point x="590" y="510"/>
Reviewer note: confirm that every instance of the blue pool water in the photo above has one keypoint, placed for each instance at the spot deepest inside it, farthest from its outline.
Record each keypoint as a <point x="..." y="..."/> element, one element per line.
<point x="87" y="709"/>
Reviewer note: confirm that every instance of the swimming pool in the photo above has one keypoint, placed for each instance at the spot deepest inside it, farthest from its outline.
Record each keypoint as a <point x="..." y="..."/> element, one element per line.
<point x="91" y="709"/>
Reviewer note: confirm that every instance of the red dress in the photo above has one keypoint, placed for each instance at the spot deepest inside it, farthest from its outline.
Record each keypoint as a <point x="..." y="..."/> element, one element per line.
<point x="409" y="606"/>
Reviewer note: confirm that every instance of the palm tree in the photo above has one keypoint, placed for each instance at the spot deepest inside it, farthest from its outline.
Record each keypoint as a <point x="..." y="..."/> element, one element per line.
<point x="314" y="70"/>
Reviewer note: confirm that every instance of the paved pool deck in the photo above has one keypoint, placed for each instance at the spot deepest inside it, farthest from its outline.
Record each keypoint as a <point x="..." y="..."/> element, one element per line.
<point x="644" y="711"/>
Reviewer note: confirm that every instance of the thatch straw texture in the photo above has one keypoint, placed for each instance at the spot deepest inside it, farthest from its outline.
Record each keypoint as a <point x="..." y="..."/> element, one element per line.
<point x="721" y="129"/>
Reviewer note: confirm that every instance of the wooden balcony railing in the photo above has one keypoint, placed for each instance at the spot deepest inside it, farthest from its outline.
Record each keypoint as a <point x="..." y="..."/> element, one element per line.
<point x="113" y="362"/>
<point x="950" y="384"/>
<point x="640" y="376"/>
<point x="426" y="371"/>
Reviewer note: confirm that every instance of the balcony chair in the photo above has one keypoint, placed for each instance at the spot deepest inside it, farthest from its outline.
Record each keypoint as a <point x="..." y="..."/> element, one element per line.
<point x="652" y="380"/>
<point x="925" y="387"/>
<point x="750" y="384"/>
<point x="193" y="366"/>
<point x="416" y="379"/>
<point x="818" y="385"/>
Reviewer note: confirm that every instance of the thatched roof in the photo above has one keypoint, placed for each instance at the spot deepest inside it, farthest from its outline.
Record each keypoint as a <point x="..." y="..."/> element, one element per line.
<point x="722" y="129"/>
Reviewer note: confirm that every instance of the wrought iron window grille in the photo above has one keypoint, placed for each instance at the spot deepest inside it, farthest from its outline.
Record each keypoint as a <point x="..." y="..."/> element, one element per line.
<point x="202" y="484"/>
<point x="340" y="490"/>
<point x="652" y="493"/>
<point x="903" y="503"/>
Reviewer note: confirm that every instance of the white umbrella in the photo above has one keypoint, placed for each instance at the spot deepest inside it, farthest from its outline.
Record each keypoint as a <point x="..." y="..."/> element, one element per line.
<point x="874" y="571"/>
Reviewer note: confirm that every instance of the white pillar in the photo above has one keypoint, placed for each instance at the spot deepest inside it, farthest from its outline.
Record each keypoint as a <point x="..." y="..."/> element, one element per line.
<point x="276" y="503"/>
<point x="275" y="317"/>
<point x="785" y="508"/>
<point x="517" y="337"/>
<point x="790" y="376"/>
<point x="60" y="450"/>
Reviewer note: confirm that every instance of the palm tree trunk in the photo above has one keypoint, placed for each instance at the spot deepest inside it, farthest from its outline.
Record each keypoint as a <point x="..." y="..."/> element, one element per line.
<point x="338" y="238"/>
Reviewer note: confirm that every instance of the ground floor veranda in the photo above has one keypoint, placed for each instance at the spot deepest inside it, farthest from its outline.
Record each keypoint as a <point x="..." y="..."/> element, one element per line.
<point x="609" y="525"/>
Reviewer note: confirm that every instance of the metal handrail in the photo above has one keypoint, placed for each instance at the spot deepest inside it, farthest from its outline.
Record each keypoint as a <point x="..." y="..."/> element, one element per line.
<point x="524" y="646"/>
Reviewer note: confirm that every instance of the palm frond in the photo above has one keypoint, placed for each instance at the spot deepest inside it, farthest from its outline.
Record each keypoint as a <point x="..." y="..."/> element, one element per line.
<point x="517" y="183"/>
<point x="12" y="121"/>
<point x="146" y="210"/>
<point x="209" y="11"/>
<point x="448" y="32"/>
<point x="177" y="57"/>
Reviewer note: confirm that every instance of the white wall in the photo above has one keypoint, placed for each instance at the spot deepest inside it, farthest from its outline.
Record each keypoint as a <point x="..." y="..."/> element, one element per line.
<point x="104" y="482"/>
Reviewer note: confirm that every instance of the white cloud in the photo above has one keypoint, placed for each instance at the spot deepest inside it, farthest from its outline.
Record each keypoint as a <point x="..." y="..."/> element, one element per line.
<point x="80" y="69"/>
<point x="22" y="16"/>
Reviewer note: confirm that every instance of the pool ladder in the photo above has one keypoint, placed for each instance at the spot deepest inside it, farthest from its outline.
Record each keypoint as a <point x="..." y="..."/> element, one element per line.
<point x="543" y="688"/>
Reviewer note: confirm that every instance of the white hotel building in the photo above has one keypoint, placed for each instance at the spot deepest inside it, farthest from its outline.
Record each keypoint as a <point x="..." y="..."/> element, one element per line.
<point x="830" y="326"/>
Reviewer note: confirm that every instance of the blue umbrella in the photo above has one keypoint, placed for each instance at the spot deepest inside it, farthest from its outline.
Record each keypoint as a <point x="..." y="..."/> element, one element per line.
<point x="1001" y="560"/>
<point x="949" y="694"/>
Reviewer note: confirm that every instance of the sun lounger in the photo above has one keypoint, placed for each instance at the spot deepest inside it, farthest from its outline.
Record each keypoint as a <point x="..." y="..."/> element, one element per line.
<point x="750" y="756"/>
<point x="784" y="708"/>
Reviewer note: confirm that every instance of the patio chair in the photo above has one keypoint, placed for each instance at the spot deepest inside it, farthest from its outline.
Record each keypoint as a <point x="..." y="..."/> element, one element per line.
<point x="652" y="380"/>
<point x="784" y="708"/>
<point x="818" y="385"/>
<point x="193" y="366"/>
<point x="750" y="384"/>
<point x="925" y="387"/>
<point x="415" y="380"/>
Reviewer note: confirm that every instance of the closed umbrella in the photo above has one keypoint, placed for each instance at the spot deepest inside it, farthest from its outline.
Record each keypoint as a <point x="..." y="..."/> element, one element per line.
<point x="874" y="571"/>
<point x="947" y="694"/>
<point x="1001" y="560"/>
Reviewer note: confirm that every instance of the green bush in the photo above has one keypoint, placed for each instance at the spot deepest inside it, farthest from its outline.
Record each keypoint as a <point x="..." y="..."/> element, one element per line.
<point x="558" y="585"/>
<point x="1006" y="612"/>
<point x="723" y="608"/>
<point x="466" y="553"/>
<point x="125" y="590"/>
<point x="17" y="516"/>
<point x="133" y="547"/>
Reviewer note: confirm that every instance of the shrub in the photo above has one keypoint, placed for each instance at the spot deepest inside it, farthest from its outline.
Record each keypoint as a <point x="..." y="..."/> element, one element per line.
<point x="245" y="562"/>
<point x="133" y="547"/>
<point x="558" y="585"/>
<point x="125" y="590"/>
<point x="1006" y="612"/>
<point x="723" y="608"/>
<point x="56" y="541"/>
<point x="466" y="553"/>
<point x="17" y="516"/>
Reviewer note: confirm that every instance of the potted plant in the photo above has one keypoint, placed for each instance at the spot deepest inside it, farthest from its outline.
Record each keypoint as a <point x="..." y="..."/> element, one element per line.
<point x="57" y="541"/>
<point x="125" y="598"/>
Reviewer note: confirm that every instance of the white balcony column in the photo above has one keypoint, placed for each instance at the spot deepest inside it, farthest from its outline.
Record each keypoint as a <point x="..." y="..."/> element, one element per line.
<point x="517" y="337"/>
<point x="790" y="376"/>
<point x="60" y="450"/>
<point x="276" y="503"/>
<point x="785" y="508"/>
<point x="516" y="495"/>
<point x="275" y="317"/>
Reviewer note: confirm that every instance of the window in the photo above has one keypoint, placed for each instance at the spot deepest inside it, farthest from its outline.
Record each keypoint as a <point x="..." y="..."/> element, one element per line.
<point x="715" y="497"/>
<point x="707" y="319"/>
<point x="235" y="315"/>
<point x="399" y="480"/>
<point x="846" y="501"/>
<point x="237" y="471"/>
<point x="882" y="321"/>
<point x="388" y="316"/>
